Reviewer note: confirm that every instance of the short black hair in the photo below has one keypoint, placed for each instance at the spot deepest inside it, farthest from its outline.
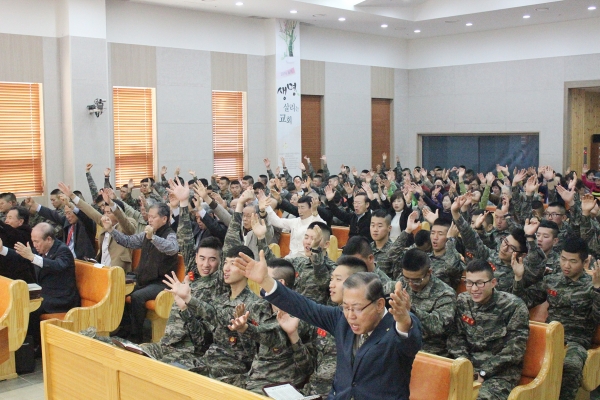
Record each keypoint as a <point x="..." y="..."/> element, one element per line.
<point x="79" y="194"/>
<point x="422" y="237"/>
<point x="357" y="245"/>
<point x="224" y="178"/>
<point x="480" y="266"/>
<point x="354" y="264"/>
<point x="382" y="214"/>
<point x="536" y="205"/>
<point x="415" y="260"/>
<point x="550" y="225"/>
<point x="283" y="269"/>
<point x="55" y="192"/>
<point x="258" y="186"/>
<point x="326" y="230"/>
<point x="248" y="178"/>
<point x="234" y="182"/>
<point x="559" y="205"/>
<point x="235" y="251"/>
<point x="22" y="214"/>
<point x="442" y="222"/>
<point x="9" y="197"/>
<point x="204" y="182"/>
<point x="519" y="235"/>
<point x="162" y="209"/>
<point x="211" y="242"/>
<point x="577" y="245"/>
<point x="148" y="179"/>
<point x="305" y="199"/>
<point x="367" y="199"/>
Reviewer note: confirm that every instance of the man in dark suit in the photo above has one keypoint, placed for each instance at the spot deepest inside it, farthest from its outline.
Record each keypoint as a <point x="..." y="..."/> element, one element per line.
<point x="79" y="230"/>
<point x="14" y="230"/>
<point x="54" y="268"/>
<point x="376" y="348"/>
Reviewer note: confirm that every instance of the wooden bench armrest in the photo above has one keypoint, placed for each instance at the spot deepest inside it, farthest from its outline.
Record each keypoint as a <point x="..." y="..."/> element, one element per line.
<point x="591" y="370"/>
<point x="16" y="314"/>
<point x="163" y="304"/>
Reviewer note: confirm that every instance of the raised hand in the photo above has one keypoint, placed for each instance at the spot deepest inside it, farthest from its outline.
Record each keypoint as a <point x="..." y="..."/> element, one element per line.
<point x="65" y="189"/>
<point x="163" y="170"/>
<point x="329" y="194"/>
<point x="307" y="159"/>
<point x="480" y="218"/>
<point x="181" y="289"/>
<point x="318" y="237"/>
<point x="181" y="192"/>
<point x="505" y="204"/>
<point x="254" y="270"/>
<point x="288" y="323"/>
<point x="461" y="172"/>
<point x="301" y="166"/>
<point x="107" y="199"/>
<point x="457" y="204"/>
<point x="431" y="216"/>
<point x="106" y="223"/>
<point x="532" y="185"/>
<point x="324" y="159"/>
<point x="531" y="226"/>
<point x="106" y="172"/>
<point x="348" y="188"/>
<point x="24" y="251"/>
<point x="400" y="308"/>
<point x="130" y="185"/>
<point x="412" y="224"/>
<point x="258" y="226"/>
<point x="239" y="324"/>
<point x="88" y="167"/>
<point x="519" y="177"/>
<point x="588" y="202"/>
<point x="282" y="161"/>
<point x="111" y="193"/>
<point x="567" y="195"/>
<point x="192" y="172"/>
<point x="548" y="173"/>
<point x="489" y="179"/>
<point x="384" y="156"/>
<point x="452" y="231"/>
<point x="200" y="189"/>
<point x="177" y="171"/>
<point x="267" y="163"/>
<point x="517" y="266"/>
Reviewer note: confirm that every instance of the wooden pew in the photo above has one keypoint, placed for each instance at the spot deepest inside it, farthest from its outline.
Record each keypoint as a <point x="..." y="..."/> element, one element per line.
<point x="341" y="233"/>
<point x="275" y="250"/>
<point x="14" y="315"/>
<point x="160" y="308"/>
<point x="102" y="292"/>
<point x="543" y="363"/>
<point x="439" y="378"/>
<point x="4" y="352"/>
<point x="333" y="250"/>
<point x="284" y="244"/>
<point x="78" y="367"/>
<point x="591" y="369"/>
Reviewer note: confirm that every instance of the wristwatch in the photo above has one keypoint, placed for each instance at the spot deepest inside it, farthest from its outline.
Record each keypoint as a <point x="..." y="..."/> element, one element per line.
<point x="482" y="374"/>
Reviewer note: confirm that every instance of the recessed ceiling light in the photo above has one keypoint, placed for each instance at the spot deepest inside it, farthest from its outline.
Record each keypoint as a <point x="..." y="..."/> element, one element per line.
<point x="469" y="24"/>
<point x="342" y="19"/>
<point x="417" y="31"/>
<point x="319" y="15"/>
<point x="543" y="9"/>
<point x="591" y="8"/>
<point x="384" y="25"/>
<point x="293" y="12"/>
<point x="451" y="21"/>
<point x="239" y="3"/>
<point x="526" y="16"/>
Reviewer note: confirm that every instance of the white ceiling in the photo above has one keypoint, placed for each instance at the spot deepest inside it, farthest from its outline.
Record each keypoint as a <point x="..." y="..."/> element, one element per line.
<point x="432" y="17"/>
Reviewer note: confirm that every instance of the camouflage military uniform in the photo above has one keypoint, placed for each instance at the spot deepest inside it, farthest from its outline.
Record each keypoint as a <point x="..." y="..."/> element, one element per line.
<point x="534" y="261"/>
<point x="590" y="232"/>
<point x="230" y="356"/>
<point x="321" y="380"/>
<point x="552" y="263"/>
<point x="495" y="238"/>
<point x="435" y="306"/>
<point x="380" y="253"/>
<point x="390" y="262"/>
<point x="312" y="276"/>
<point x="277" y="359"/>
<point x="576" y="305"/>
<point x="493" y="336"/>
<point x="37" y="218"/>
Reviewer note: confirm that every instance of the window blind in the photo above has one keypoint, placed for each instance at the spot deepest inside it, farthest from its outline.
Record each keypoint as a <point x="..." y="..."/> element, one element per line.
<point x="228" y="133"/>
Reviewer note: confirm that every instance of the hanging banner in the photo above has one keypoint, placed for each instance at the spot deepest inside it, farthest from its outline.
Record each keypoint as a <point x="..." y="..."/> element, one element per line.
<point x="287" y="69"/>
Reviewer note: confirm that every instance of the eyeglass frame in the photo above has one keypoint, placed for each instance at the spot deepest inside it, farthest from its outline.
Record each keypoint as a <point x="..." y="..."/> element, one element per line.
<point x="414" y="281"/>
<point x="476" y="284"/>
<point x="552" y="215"/>
<point x="355" y="311"/>
<point x="510" y="246"/>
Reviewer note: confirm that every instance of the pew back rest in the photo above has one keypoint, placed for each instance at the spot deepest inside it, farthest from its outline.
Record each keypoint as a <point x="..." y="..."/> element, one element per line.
<point x="534" y="353"/>
<point x="136" y="254"/>
<point x="92" y="283"/>
<point x="284" y="244"/>
<point x="341" y="233"/>
<point x="591" y="369"/>
<point x="440" y="378"/>
<point x="332" y="250"/>
<point x="14" y="310"/>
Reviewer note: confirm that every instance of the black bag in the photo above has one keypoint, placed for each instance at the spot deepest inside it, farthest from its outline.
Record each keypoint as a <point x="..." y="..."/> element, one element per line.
<point x="25" y="357"/>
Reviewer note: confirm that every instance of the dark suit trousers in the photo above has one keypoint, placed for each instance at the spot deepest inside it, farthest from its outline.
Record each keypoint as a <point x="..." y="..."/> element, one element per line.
<point x="34" y="324"/>
<point x="137" y="309"/>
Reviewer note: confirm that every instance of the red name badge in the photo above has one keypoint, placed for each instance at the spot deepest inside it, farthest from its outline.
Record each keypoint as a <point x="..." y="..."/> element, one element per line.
<point x="321" y="332"/>
<point x="552" y="293"/>
<point x="468" y="320"/>
<point x="297" y="274"/>
<point x="232" y="340"/>
<point x="253" y="322"/>
<point x="191" y="276"/>
<point x="493" y="266"/>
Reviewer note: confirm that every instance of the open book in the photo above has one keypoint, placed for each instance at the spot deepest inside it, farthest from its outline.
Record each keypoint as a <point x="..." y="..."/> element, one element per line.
<point x="35" y="291"/>
<point x="285" y="391"/>
<point x="134" y="348"/>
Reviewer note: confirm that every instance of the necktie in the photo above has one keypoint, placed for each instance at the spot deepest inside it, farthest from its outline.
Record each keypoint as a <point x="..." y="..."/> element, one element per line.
<point x="363" y="338"/>
<point x="70" y="235"/>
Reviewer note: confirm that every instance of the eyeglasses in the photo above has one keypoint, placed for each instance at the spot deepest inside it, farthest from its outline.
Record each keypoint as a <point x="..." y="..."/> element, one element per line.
<point x="552" y="215"/>
<point x="355" y="311"/>
<point x="415" y="281"/>
<point x="479" y="284"/>
<point x="510" y="246"/>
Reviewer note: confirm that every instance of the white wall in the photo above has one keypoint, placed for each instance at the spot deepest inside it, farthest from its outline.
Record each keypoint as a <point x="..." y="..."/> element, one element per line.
<point x="522" y="43"/>
<point x="28" y="17"/>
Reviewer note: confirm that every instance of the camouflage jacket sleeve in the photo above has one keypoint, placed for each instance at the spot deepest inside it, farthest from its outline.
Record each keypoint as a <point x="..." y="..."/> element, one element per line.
<point x="575" y="215"/>
<point x="325" y="173"/>
<point x="232" y="237"/>
<point x="263" y="245"/>
<point x="268" y="334"/>
<point x="484" y="197"/>
<point x="287" y="175"/>
<point x="534" y="263"/>
<point x="107" y="184"/>
<point x="441" y="318"/>
<point x="512" y="223"/>
<point x="471" y="240"/>
<point x="92" y="185"/>
<point x="590" y="232"/>
<point x="515" y="341"/>
<point x="457" y="337"/>
<point x="321" y="269"/>
<point x="533" y="295"/>
<point x="199" y="308"/>
<point x="311" y="170"/>
<point x="185" y="238"/>
<point x="453" y="261"/>
<point x="213" y="183"/>
<point x="270" y="174"/>
<point x="392" y="261"/>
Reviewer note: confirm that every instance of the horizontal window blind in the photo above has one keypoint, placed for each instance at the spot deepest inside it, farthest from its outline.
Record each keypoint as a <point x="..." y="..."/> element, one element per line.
<point x="133" y="111"/>
<point x="228" y="133"/>
<point x="21" y="139"/>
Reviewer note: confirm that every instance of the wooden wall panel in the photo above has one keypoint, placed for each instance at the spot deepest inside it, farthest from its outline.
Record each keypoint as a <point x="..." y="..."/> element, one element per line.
<point x="382" y="83"/>
<point x="21" y="58"/>
<point x="312" y="74"/>
<point x="132" y="65"/>
<point x="229" y="71"/>
<point x="381" y="117"/>
<point x="311" y="110"/>
<point x="584" y="122"/>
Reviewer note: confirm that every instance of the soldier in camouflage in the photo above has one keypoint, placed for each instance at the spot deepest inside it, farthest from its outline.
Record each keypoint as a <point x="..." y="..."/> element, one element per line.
<point x="326" y="353"/>
<point x="432" y="301"/>
<point x="590" y="227"/>
<point x="573" y="298"/>
<point x="313" y="269"/>
<point x="358" y="246"/>
<point x="281" y="356"/>
<point x="501" y="260"/>
<point x="490" y="329"/>
<point x="381" y="226"/>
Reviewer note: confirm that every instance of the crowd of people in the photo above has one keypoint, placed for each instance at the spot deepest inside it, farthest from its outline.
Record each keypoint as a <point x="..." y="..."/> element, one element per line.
<point x="348" y="328"/>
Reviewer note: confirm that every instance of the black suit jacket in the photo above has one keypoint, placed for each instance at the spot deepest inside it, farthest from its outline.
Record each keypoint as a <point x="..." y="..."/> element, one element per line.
<point x="19" y="269"/>
<point x="57" y="278"/>
<point x="85" y="231"/>
<point x="382" y="366"/>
